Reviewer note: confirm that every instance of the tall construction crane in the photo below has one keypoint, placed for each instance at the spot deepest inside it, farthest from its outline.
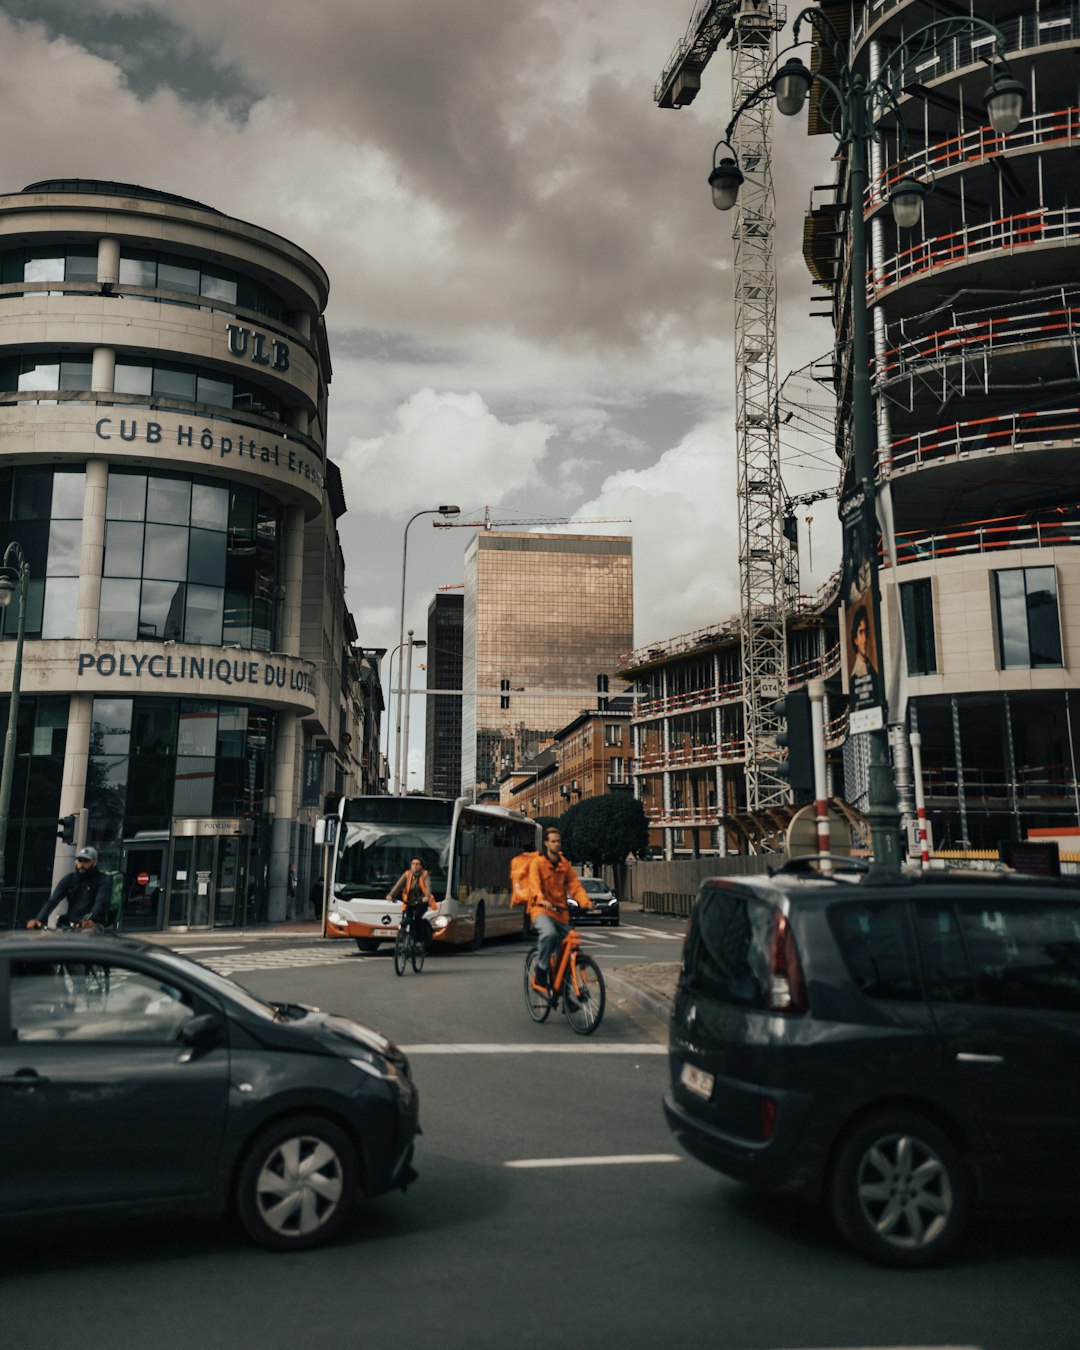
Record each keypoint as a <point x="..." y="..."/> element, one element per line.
<point x="751" y="27"/>
<point x="488" y="524"/>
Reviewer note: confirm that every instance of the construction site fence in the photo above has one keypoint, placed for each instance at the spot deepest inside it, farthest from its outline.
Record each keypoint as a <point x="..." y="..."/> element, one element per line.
<point x="671" y="887"/>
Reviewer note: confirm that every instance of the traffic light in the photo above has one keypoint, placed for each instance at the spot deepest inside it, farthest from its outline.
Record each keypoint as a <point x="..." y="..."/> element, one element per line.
<point x="601" y="693"/>
<point x="65" y="829"/>
<point x="504" y="695"/>
<point x="798" y="738"/>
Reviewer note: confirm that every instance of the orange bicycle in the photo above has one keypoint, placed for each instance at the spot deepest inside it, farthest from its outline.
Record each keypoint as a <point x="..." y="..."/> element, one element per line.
<point x="576" y="982"/>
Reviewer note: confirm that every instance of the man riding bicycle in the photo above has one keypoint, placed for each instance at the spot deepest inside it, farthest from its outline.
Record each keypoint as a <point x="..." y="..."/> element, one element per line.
<point x="551" y="877"/>
<point x="413" y="888"/>
<point x="83" y="894"/>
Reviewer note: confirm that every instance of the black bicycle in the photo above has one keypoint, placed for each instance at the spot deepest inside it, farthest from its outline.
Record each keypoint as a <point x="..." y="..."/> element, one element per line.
<point x="411" y="945"/>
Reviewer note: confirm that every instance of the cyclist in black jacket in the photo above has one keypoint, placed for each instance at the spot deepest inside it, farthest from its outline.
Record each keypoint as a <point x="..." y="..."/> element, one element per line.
<point x="86" y="890"/>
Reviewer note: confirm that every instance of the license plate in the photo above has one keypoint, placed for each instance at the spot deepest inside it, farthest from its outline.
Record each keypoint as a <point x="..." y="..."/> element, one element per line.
<point x="384" y="932"/>
<point x="697" y="1080"/>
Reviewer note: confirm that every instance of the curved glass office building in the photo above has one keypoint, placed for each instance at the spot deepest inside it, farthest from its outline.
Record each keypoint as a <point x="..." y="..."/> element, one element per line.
<point x="163" y="385"/>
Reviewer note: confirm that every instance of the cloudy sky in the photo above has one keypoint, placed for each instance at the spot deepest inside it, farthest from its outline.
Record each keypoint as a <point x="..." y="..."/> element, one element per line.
<point x="530" y="304"/>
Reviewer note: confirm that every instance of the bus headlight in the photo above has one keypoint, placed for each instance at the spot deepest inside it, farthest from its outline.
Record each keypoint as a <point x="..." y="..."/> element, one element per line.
<point x="338" y="920"/>
<point x="440" y="923"/>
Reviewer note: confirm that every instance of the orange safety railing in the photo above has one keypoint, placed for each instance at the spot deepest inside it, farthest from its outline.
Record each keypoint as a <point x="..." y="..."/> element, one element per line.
<point x="1050" y="426"/>
<point x="1061" y="527"/>
<point x="1025" y="229"/>
<point x="1039" y="132"/>
<point x="971" y="335"/>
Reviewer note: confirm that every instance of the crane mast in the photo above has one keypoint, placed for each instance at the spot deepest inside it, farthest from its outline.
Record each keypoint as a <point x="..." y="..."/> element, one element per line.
<point x="751" y="27"/>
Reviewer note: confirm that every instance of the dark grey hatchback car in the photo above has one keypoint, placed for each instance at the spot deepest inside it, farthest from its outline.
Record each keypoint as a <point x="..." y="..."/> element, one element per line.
<point x="902" y="1047"/>
<point x="134" y="1079"/>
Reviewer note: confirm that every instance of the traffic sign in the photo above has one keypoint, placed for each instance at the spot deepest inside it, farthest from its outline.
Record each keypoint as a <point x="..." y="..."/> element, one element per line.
<point x="802" y="835"/>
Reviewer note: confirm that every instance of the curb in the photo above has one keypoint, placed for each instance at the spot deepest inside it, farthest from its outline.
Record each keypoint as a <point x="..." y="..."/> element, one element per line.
<point x="648" y="1000"/>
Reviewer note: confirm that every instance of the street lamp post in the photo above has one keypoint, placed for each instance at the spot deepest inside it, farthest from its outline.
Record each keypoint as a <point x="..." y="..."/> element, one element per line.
<point x="436" y="511"/>
<point x="14" y="577"/>
<point x="411" y="646"/>
<point x="858" y="103"/>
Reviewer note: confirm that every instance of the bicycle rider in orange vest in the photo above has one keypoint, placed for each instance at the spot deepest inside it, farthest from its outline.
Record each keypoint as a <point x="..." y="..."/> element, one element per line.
<point x="551" y="877"/>
<point x="413" y="888"/>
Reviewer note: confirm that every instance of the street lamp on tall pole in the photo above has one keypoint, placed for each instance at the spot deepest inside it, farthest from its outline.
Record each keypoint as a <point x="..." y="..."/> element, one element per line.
<point x="14" y="578"/>
<point x="436" y="511"/>
<point x="410" y="647"/>
<point x="851" y="104"/>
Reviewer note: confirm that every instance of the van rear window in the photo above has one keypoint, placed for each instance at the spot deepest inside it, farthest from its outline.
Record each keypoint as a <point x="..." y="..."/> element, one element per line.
<point x="727" y="952"/>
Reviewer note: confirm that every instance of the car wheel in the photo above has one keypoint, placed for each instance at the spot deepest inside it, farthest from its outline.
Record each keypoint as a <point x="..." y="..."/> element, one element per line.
<point x="900" y="1192"/>
<point x="368" y="944"/>
<point x="297" y="1185"/>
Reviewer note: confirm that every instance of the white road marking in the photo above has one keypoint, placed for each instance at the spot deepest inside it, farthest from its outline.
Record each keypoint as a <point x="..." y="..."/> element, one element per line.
<point x="546" y="1048"/>
<point x="290" y="958"/>
<point x="610" y="1160"/>
<point x="214" y="948"/>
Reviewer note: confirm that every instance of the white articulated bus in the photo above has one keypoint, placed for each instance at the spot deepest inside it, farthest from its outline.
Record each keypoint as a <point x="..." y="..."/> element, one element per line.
<point x="465" y="848"/>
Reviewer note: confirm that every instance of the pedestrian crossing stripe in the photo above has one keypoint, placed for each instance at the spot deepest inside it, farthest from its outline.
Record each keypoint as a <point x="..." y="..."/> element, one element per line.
<point x="289" y="958"/>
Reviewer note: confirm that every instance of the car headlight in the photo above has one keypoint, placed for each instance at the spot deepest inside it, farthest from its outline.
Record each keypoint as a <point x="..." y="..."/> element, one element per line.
<point x="375" y="1066"/>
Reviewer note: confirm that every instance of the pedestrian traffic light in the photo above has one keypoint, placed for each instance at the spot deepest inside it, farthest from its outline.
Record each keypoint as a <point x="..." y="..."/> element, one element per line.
<point x="504" y="695"/>
<point x="797" y="737"/>
<point x="65" y="829"/>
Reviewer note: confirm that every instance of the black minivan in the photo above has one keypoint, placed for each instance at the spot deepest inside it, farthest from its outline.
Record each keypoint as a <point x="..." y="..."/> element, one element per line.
<point x="903" y="1047"/>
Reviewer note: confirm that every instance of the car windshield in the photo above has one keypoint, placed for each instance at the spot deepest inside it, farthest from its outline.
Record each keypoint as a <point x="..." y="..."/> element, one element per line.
<point x="594" y="884"/>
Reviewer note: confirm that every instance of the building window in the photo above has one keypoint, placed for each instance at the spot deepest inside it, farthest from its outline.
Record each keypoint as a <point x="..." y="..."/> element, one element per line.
<point x="616" y="771"/>
<point x="1027" y="609"/>
<point x="917" y="608"/>
<point x="613" y="733"/>
<point x="189" y="561"/>
<point x="41" y="509"/>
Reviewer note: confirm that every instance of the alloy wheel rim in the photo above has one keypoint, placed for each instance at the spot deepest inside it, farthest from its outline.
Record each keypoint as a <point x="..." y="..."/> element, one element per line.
<point x="904" y="1191"/>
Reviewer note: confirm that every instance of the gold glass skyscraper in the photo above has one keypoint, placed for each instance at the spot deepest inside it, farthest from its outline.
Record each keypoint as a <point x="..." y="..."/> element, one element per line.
<point x="549" y="618"/>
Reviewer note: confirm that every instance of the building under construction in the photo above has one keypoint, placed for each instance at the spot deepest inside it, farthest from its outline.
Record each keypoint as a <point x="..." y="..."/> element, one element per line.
<point x="976" y="386"/>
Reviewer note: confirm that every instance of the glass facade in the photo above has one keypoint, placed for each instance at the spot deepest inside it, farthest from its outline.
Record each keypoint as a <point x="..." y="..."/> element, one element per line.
<point x="189" y="560"/>
<point x="548" y="613"/>
<point x="49" y="372"/>
<point x="145" y="268"/>
<point x="42" y="510"/>
<point x="152" y="759"/>
<point x="37" y="771"/>
<point x="443" y="728"/>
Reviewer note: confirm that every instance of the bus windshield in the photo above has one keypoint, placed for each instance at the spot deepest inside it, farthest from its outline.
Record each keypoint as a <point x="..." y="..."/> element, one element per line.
<point x="380" y="836"/>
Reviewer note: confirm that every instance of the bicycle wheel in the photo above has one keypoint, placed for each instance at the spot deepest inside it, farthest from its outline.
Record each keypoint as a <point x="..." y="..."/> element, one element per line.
<point x="418" y="946"/>
<point x="584" y="1007"/>
<point x="539" y="1005"/>
<point x="401" y="949"/>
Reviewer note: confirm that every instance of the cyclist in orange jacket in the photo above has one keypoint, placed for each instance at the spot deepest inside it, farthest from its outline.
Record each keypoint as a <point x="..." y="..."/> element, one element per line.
<point x="413" y="888"/>
<point x="551" y="878"/>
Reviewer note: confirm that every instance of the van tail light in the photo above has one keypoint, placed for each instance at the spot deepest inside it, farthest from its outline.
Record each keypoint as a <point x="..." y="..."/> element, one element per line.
<point x="787" y="988"/>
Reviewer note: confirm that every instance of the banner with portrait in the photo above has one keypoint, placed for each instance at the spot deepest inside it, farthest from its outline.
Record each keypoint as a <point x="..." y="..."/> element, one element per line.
<point x="859" y="630"/>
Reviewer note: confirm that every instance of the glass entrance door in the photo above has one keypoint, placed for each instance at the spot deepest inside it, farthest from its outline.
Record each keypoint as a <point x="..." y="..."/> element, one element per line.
<point x="207" y="881"/>
<point x="145" y="869"/>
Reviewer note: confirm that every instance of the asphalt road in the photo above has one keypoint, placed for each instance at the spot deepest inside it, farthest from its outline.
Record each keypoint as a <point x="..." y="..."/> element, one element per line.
<point x="552" y="1208"/>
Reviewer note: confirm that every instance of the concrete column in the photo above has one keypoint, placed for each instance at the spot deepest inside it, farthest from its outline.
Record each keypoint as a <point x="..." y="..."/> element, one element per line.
<point x="103" y="370"/>
<point x="108" y="261"/>
<point x="289" y="740"/>
<point x="93" y="550"/>
<point x="277" y="899"/>
<point x="73" y="782"/>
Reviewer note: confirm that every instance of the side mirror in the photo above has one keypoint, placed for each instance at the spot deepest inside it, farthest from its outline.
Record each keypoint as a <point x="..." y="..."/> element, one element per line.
<point x="204" y="1032"/>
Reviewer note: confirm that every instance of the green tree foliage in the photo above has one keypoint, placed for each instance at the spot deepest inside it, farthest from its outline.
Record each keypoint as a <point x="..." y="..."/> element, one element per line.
<point x="601" y="831"/>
